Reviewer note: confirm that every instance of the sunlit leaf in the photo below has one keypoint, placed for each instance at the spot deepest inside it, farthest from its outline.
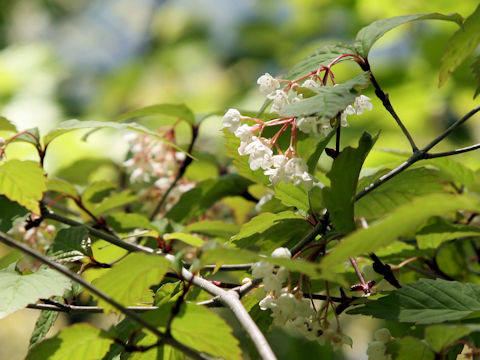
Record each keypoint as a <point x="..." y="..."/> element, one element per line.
<point x="6" y="125"/>
<point x="402" y="220"/>
<point x="461" y="44"/>
<point x="408" y="348"/>
<point x="79" y="171"/>
<point x="476" y="74"/>
<point x="20" y="290"/>
<point x="339" y="197"/>
<point x="114" y="201"/>
<point x="439" y="231"/>
<point x="62" y="187"/>
<point x="30" y="136"/>
<point x="425" y="302"/>
<point x="185" y="238"/>
<point x="78" y="342"/>
<point x="439" y="337"/>
<point x="213" y="228"/>
<point x="130" y="279"/>
<point x="368" y="35"/>
<point x="291" y="195"/>
<point x="23" y="182"/>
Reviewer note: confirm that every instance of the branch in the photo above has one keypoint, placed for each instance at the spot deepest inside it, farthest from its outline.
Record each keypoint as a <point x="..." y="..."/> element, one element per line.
<point x="453" y="152"/>
<point x="4" y="238"/>
<point x="319" y="228"/>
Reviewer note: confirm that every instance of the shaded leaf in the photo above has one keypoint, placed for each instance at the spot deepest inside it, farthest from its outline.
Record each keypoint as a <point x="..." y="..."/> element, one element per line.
<point x="20" y="290"/>
<point x="461" y="44"/>
<point x="44" y="323"/>
<point x="70" y="242"/>
<point x="368" y="35"/>
<point x="402" y="220"/>
<point x="23" y="182"/>
<point x="476" y="74"/>
<point x="214" y="228"/>
<point x="339" y="197"/>
<point x="329" y="100"/>
<point x="130" y="279"/>
<point x="62" y="187"/>
<point x="319" y="148"/>
<point x="176" y="110"/>
<point x="79" y="171"/>
<point x="9" y="212"/>
<point x="78" y="342"/>
<point x="408" y="348"/>
<point x="195" y="201"/>
<point x="452" y="170"/>
<point x="439" y="231"/>
<point x="126" y="222"/>
<point x="439" y="337"/>
<point x="114" y="201"/>
<point x="27" y="136"/>
<point x="425" y="302"/>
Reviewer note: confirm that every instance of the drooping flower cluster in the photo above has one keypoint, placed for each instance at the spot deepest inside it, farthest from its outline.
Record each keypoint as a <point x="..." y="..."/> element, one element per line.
<point x="377" y="348"/>
<point x="292" y="310"/>
<point x="265" y="153"/>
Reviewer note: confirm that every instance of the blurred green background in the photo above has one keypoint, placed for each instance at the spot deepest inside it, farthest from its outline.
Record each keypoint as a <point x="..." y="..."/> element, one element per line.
<point x="95" y="60"/>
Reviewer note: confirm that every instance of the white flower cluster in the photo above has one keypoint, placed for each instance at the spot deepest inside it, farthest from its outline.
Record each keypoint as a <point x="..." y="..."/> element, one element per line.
<point x="292" y="311"/>
<point x="276" y="167"/>
<point x="38" y="237"/>
<point x="377" y="348"/>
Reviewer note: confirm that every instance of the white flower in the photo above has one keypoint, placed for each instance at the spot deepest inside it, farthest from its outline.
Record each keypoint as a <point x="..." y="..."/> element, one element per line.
<point x="163" y="183"/>
<point x="268" y="83"/>
<point x="268" y="302"/>
<point x="260" y="155"/>
<point x="280" y="99"/>
<point x="139" y="174"/>
<point x="362" y="102"/>
<point x="282" y="274"/>
<point x="310" y="84"/>
<point x="307" y="124"/>
<point x="232" y="120"/>
<point x="244" y="133"/>
<point x="272" y="283"/>
<point x="263" y="200"/>
<point x="180" y="156"/>
<point x="262" y="269"/>
<point x="325" y="127"/>
<point x="277" y="173"/>
<point x="281" y="252"/>
<point x="295" y="167"/>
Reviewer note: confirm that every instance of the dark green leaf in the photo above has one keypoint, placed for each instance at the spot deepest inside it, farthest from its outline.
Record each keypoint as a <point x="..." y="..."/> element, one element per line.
<point x="368" y="35"/>
<point x="78" y="342"/>
<point x="409" y="348"/>
<point x="402" y="220"/>
<point x="20" y="290"/>
<point x="319" y="148"/>
<point x="97" y="191"/>
<point x="129" y="280"/>
<point x="440" y="337"/>
<point x="425" y="302"/>
<point x="9" y="212"/>
<point x="461" y="44"/>
<point x="452" y="170"/>
<point x="476" y="75"/>
<point x="126" y="222"/>
<point x="44" y="323"/>
<point x="397" y="191"/>
<point x="23" y="182"/>
<point x="176" y="110"/>
<point x="329" y="101"/>
<point x="70" y="242"/>
<point x="339" y="197"/>
<point x="194" y="202"/>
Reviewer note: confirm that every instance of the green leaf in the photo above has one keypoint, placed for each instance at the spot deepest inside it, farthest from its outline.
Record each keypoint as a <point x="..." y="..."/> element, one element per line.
<point x="476" y="74"/>
<point x="408" y="348"/>
<point x="71" y="125"/>
<point x="23" y="182"/>
<point x="97" y="191"/>
<point x="402" y="220"/>
<point x="439" y="337"/>
<point x="425" y="302"/>
<point x="461" y="44"/>
<point x="70" y="242"/>
<point x="6" y="125"/>
<point x="78" y="342"/>
<point x="126" y="222"/>
<point x="193" y="203"/>
<point x="339" y="197"/>
<point x="11" y="211"/>
<point x="329" y="100"/>
<point x="322" y="56"/>
<point x="368" y="35"/>
<point x="79" y="171"/>
<point x="44" y="323"/>
<point x="27" y="137"/>
<point x="188" y="239"/>
<point x="452" y="170"/>
<point x="194" y="326"/>
<point x="12" y="257"/>
<point x="62" y="187"/>
<point x="439" y="231"/>
<point x="176" y="110"/>
<point x="397" y="191"/>
<point x="129" y="279"/>
<point x="320" y="147"/>
<point x="20" y="290"/>
<point x="114" y="201"/>
<point x="291" y="195"/>
<point x="214" y="228"/>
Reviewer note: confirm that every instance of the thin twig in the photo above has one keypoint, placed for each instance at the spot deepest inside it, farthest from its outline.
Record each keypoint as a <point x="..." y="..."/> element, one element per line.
<point x="453" y="152"/>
